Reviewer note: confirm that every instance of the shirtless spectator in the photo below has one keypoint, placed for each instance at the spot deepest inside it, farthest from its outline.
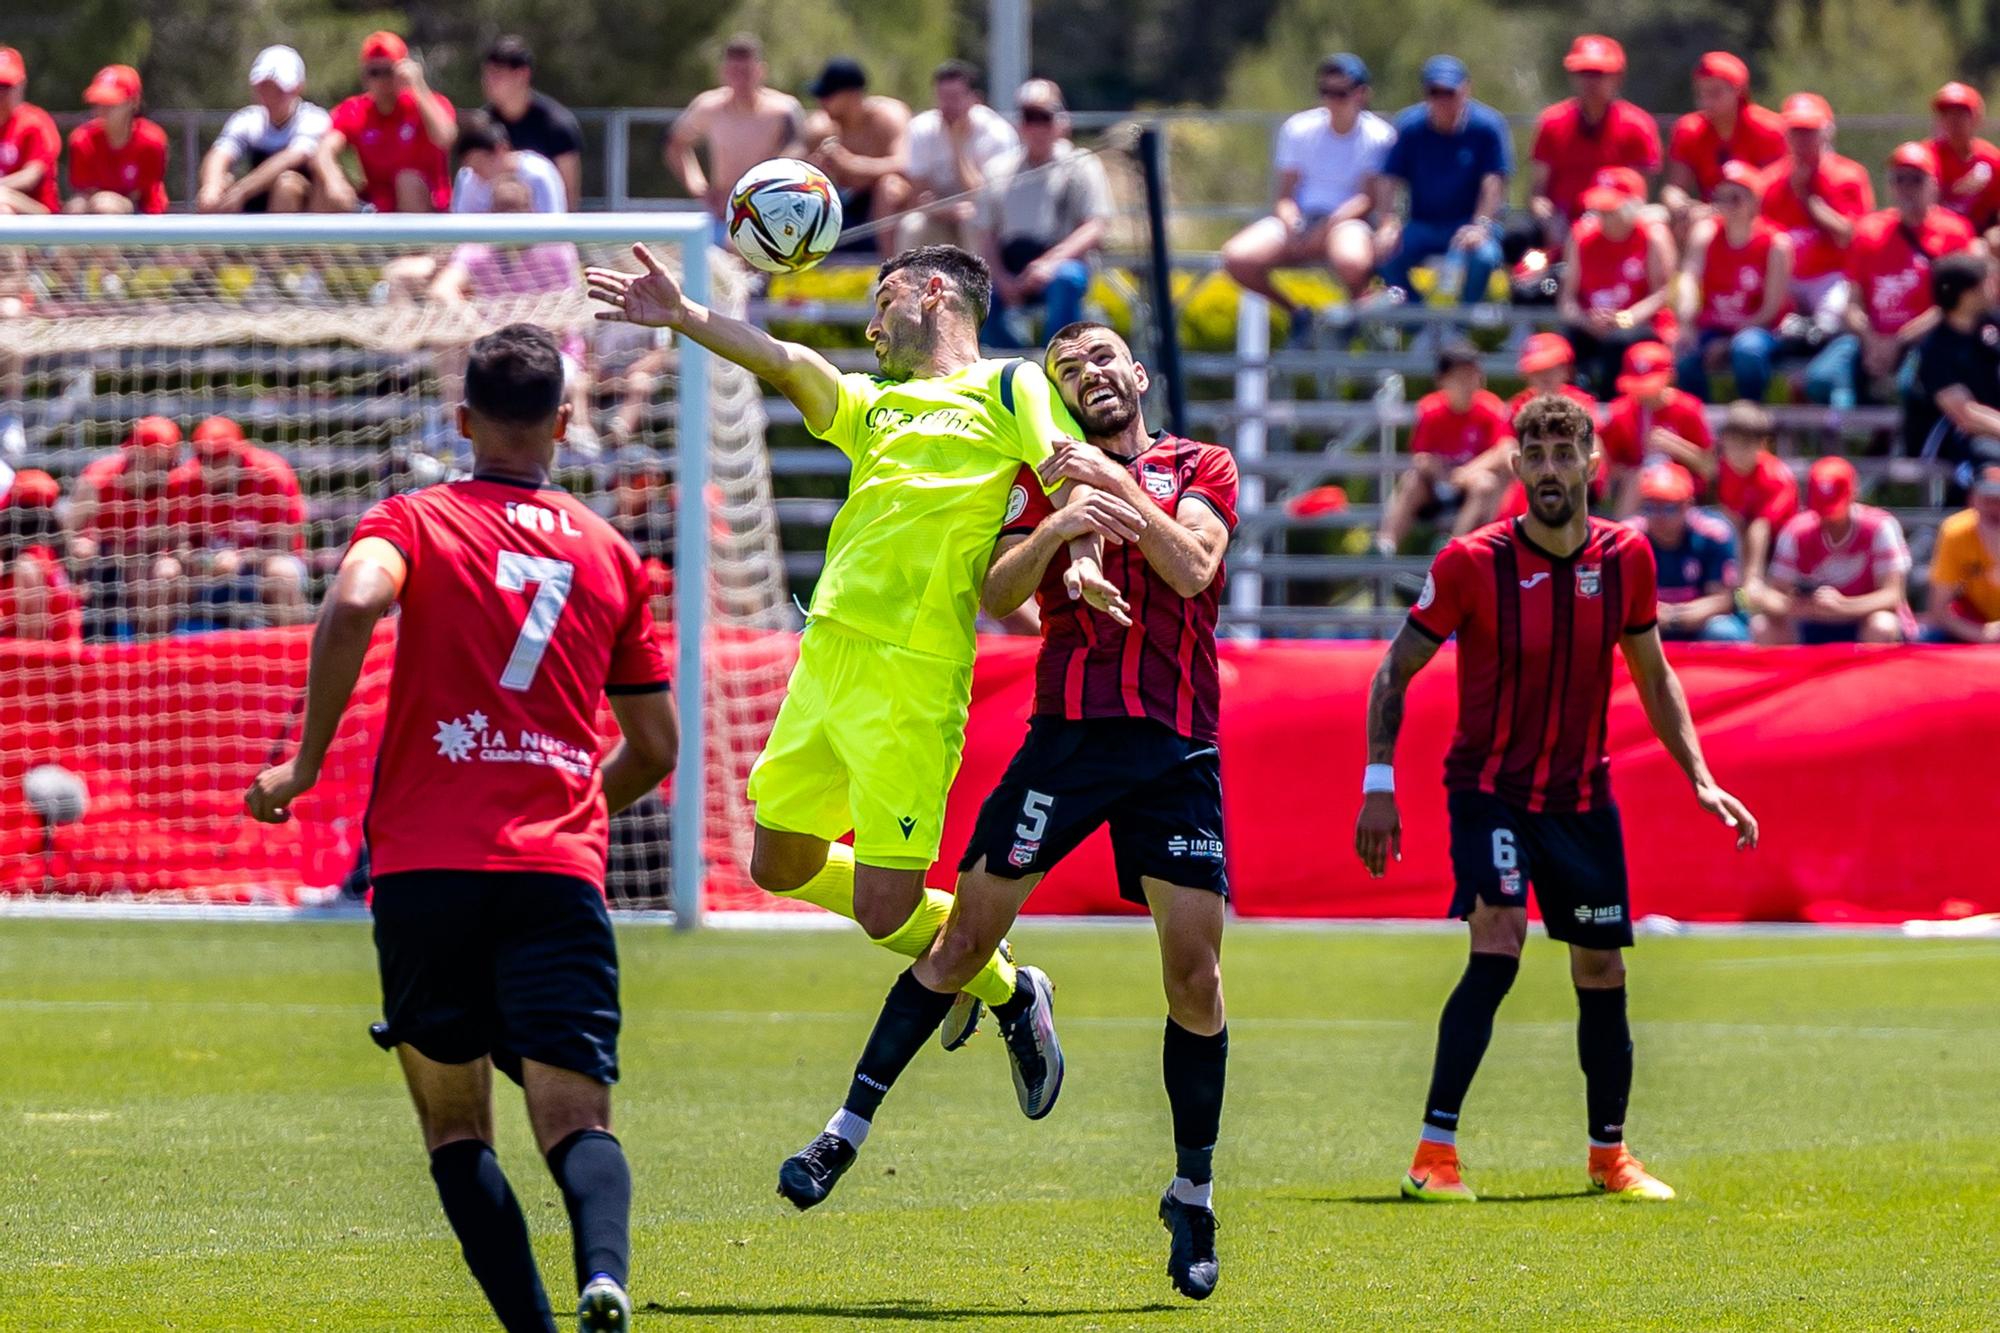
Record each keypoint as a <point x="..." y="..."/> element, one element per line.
<point x="274" y="142"/>
<point x="401" y="133"/>
<point x="1840" y="570"/>
<point x="740" y="124"/>
<point x="951" y="147"/>
<point x="121" y="533"/>
<point x="534" y="121"/>
<point x="29" y="144"/>
<point x="37" y="600"/>
<point x="238" y="532"/>
<point x="861" y="141"/>
<point x="117" y="158"/>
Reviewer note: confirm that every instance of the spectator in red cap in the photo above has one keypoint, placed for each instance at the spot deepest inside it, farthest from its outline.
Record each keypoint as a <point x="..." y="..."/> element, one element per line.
<point x="1695" y="554"/>
<point x="239" y="530"/>
<point x="1839" y="572"/>
<point x="1756" y="490"/>
<point x="1547" y="362"/>
<point x="1580" y="136"/>
<point x="1617" y="281"/>
<point x="117" y="158"/>
<point x="1951" y="408"/>
<point x="29" y="144"/>
<point x="1889" y="308"/>
<point x="1651" y="421"/>
<point x="1459" y="450"/>
<point x="122" y="532"/>
<point x="1736" y="286"/>
<point x="1815" y="196"/>
<point x="37" y="600"/>
<point x="1725" y="126"/>
<point x="1968" y="166"/>
<point x="1964" y="587"/>
<point x="400" y="131"/>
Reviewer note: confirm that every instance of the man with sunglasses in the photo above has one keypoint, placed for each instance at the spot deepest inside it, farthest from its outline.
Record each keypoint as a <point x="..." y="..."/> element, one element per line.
<point x="1452" y="159"/>
<point x="401" y="133"/>
<point x="1581" y="136"/>
<point x="1042" y="219"/>
<point x="1326" y="160"/>
<point x="1695" y="552"/>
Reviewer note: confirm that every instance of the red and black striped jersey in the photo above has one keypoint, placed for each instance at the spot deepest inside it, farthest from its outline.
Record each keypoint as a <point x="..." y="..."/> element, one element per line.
<point x="1536" y="633"/>
<point x="1164" y="666"/>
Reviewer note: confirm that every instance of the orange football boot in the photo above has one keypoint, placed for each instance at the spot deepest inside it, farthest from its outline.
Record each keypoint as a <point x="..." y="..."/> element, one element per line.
<point x="1434" y="1176"/>
<point x="1617" y="1171"/>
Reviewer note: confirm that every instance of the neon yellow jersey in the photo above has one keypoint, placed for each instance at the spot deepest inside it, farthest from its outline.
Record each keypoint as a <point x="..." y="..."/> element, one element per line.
<point x="934" y="460"/>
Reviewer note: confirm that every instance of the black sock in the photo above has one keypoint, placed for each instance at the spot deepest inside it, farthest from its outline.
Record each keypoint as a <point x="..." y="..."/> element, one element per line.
<point x="1604" y="1048"/>
<point x="596" y="1184"/>
<point x="909" y="1015"/>
<point x="1015" y="1004"/>
<point x="1194" y="1068"/>
<point x="492" y="1233"/>
<point x="1463" y="1031"/>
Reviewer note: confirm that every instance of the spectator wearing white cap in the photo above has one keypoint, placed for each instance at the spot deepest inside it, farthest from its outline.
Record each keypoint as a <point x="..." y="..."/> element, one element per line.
<point x="272" y="142"/>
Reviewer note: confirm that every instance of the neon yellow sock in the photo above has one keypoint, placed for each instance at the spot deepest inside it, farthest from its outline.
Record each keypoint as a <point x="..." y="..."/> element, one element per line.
<point x="833" y="887"/>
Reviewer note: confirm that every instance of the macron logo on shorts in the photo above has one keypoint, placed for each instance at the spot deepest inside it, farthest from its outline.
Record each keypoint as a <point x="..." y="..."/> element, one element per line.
<point x="908" y="825"/>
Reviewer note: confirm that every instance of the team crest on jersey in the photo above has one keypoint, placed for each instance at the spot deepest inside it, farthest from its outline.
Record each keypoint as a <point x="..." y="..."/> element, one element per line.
<point x="1510" y="883"/>
<point x="1158" y="480"/>
<point x="1023" y="853"/>
<point x="1017" y="503"/>
<point x="1429" y="594"/>
<point x="1589" y="580"/>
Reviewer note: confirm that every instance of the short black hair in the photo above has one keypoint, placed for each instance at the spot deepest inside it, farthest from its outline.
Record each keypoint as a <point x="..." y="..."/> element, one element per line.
<point x="963" y="70"/>
<point x="479" y="131"/>
<point x="1076" y="329"/>
<point x="512" y="52"/>
<point x="1456" y="356"/>
<point x="1953" y="276"/>
<point x="963" y="269"/>
<point x="514" y="375"/>
<point x="744" y="44"/>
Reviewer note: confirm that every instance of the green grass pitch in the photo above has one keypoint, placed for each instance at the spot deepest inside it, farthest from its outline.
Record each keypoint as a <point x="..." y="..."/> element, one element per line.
<point x="195" y="1133"/>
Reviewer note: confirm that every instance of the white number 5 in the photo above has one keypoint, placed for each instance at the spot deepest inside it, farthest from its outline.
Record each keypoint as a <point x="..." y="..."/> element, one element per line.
<point x="551" y="578"/>
<point x="1036" y="808"/>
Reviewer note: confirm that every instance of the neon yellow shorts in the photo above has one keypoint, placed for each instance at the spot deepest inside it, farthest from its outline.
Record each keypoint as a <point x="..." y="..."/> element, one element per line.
<point x="869" y="738"/>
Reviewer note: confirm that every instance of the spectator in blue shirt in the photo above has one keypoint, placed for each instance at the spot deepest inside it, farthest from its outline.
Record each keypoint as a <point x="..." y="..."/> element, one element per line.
<point x="1452" y="159"/>
<point x="1696" y="555"/>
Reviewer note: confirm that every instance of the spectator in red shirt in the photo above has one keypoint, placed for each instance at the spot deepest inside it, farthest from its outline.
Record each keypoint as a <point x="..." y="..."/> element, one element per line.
<point x="1579" y="137"/>
<point x="29" y="144"/>
<point x="1753" y="485"/>
<point x="37" y="600"/>
<point x="117" y="158"/>
<point x="1459" y="452"/>
<point x="1651" y="421"/>
<point x="1617" y="280"/>
<point x="239" y="530"/>
<point x="1968" y="166"/>
<point x="400" y="131"/>
<point x="1839" y="572"/>
<point x="123" y="533"/>
<point x="1547" y="362"/>
<point x="1889" y="307"/>
<point x="1725" y="126"/>
<point x="1736" y="285"/>
<point x="1816" y="196"/>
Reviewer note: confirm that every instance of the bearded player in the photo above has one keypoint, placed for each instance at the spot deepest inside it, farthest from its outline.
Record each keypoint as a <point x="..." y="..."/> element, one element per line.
<point x="1537" y="603"/>
<point x="869" y="736"/>
<point x="489" y="820"/>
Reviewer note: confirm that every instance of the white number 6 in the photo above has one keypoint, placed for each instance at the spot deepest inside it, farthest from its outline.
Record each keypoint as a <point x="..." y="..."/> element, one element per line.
<point x="1504" y="855"/>
<point x="551" y="578"/>
<point x="1036" y="808"/>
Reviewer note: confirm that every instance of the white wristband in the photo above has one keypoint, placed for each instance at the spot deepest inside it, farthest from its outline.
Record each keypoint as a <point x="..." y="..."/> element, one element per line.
<point x="1378" y="777"/>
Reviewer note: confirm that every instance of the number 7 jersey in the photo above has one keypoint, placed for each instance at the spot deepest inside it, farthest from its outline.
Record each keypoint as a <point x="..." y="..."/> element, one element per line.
<point x="520" y="611"/>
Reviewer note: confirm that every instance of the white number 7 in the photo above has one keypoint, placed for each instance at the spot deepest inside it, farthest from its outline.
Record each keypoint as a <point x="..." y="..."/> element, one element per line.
<point x="551" y="578"/>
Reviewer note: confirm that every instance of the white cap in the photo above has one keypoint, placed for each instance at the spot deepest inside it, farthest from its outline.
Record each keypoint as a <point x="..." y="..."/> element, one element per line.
<point x="280" y="65"/>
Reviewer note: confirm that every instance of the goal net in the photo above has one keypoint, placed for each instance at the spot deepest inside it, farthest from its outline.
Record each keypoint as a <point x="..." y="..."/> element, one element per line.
<point x="163" y="381"/>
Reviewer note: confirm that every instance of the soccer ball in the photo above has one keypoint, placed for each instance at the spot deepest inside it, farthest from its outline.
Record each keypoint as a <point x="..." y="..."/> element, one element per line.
<point x="784" y="215"/>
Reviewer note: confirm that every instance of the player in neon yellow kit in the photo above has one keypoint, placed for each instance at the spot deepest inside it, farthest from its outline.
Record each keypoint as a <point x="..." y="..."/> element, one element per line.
<point x="873" y="722"/>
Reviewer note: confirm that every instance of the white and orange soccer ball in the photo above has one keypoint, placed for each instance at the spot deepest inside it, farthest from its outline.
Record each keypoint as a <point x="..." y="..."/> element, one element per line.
<point x="784" y="216"/>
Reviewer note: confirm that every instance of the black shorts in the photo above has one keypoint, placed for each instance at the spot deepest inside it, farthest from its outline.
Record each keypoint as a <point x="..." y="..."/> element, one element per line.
<point x="1575" y="862"/>
<point x="514" y="965"/>
<point x="1160" y="792"/>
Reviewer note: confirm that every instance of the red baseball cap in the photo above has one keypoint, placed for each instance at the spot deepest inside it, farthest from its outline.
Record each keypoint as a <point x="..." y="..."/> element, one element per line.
<point x="1917" y="155"/>
<point x="1960" y="95"/>
<point x="218" y="435"/>
<point x="1806" y="111"/>
<point x="1725" y="66"/>
<point x="1318" y="500"/>
<point x="153" y="432"/>
<point x="1594" y="54"/>
<point x="13" y="69"/>
<point x="1649" y="368"/>
<point x="1613" y="187"/>
<point x="1545" y="351"/>
<point x="384" y="46"/>
<point x="32" y="489"/>
<point x="1830" y="488"/>
<point x="1667" y="483"/>
<point x="1738" y="172"/>
<point x="114" y="85"/>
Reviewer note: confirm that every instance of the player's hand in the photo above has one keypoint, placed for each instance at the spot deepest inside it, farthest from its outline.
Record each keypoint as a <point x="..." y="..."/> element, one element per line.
<point x="1100" y="513"/>
<point x="650" y="297"/>
<point x="270" y="797"/>
<point x="1825" y="598"/>
<point x="1378" y="833"/>
<point x="1084" y="580"/>
<point x="1731" y="812"/>
<point x="1073" y="460"/>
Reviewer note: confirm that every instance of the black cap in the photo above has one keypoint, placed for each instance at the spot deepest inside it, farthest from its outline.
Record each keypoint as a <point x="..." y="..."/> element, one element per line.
<point x="838" y="75"/>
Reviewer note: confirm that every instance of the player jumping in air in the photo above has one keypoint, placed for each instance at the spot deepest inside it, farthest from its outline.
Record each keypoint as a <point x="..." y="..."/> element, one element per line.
<point x="873" y="722"/>
<point x="488" y="822"/>
<point x="1123" y="733"/>
<point x="1537" y="603"/>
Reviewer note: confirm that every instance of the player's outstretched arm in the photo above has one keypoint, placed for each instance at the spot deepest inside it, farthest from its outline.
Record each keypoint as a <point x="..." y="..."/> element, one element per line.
<point x="369" y="580"/>
<point x="1378" y="832"/>
<point x="1667" y="709"/>
<point x="652" y="297"/>
<point x="649" y="735"/>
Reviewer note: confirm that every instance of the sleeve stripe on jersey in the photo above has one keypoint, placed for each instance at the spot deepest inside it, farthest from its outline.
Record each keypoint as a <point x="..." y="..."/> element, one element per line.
<point x="1227" y="521"/>
<point x="1642" y="629"/>
<point x="651" y="687"/>
<point x="1424" y="630"/>
<point x="1007" y="384"/>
